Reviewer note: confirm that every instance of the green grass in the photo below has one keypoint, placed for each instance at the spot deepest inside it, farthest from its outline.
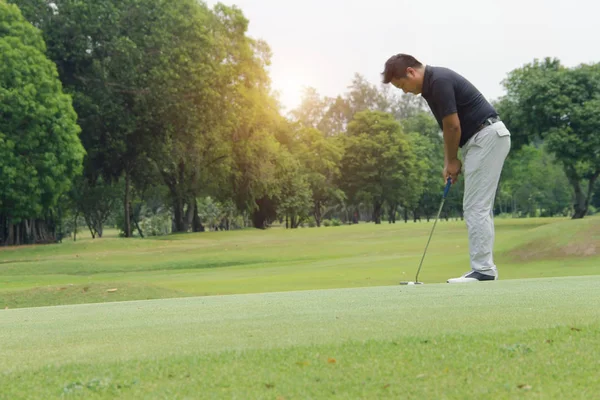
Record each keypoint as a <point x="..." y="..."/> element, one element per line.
<point x="530" y="338"/>
<point x="277" y="335"/>
<point x="253" y="261"/>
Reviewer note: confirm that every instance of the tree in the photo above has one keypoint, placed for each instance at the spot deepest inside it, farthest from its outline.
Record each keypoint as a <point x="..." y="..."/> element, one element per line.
<point x="336" y="117"/>
<point x="319" y="157"/>
<point x="96" y="47"/>
<point x="95" y="202"/>
<point x="378" y="165"/>
<point x="311" y="110"/>
<point x="558" y="105"/>
<point x="171" y="97"/>
<point x="293" y="196"/>
<point x="428" y="145"/>
<point x="40" y="150"/>
<point x="403" y="105"/>
<point x="533" y="184"/>
<point x="363" y="96"/>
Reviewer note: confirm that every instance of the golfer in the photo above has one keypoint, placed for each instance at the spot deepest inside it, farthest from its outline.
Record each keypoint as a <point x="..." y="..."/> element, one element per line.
<point x="468" y="122"/>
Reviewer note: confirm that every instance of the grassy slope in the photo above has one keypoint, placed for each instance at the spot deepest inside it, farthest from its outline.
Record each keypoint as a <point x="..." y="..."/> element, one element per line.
<point x="277" y="260"/>
<point x="502" y="339"/>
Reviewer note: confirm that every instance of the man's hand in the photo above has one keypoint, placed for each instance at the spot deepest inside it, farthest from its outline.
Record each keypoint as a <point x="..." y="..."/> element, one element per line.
<point x="452" y="170"/>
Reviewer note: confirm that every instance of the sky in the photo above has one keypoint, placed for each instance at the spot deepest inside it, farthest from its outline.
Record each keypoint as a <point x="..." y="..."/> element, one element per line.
<point x="323" y="43"/>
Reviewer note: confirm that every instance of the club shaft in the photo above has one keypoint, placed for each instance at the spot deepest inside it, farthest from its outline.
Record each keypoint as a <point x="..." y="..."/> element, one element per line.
<point x="430" y="235"/>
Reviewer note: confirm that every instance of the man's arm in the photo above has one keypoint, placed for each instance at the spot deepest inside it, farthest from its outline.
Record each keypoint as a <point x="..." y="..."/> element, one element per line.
<point x="451" y="126"/>
<point x="443" y="93"/>
<point x="452" y="165"/>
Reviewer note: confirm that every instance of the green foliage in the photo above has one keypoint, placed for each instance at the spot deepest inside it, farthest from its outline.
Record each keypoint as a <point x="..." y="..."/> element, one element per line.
<point x="176" y="95"/>
<point x="156" y="224"/>
<point x="559" y="105"/>
<point x="534" y="183"/>
<point x="294" y="195"/>
<point x="429" y="152"/>
<point x="379" y="164"/>
<point x="40" y="150"/>
<point x="319" y="157"/>
<point x="96" y="201"/>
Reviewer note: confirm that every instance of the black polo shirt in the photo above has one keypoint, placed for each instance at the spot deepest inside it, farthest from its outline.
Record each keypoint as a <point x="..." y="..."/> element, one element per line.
<point x="447" y="93"/>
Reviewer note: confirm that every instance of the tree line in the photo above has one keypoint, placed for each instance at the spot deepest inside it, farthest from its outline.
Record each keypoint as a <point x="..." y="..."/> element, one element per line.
<point x="159" y="117"/>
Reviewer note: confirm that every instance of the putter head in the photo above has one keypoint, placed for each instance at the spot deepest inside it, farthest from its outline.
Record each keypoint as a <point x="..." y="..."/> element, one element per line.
<point x="411" y="283"/>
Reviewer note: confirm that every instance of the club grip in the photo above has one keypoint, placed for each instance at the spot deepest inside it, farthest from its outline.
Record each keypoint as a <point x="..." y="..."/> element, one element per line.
<point x="447" y="188"/>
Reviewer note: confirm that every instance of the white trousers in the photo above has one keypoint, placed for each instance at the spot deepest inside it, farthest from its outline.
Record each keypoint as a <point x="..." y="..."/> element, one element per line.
<point x="483" y="158"/>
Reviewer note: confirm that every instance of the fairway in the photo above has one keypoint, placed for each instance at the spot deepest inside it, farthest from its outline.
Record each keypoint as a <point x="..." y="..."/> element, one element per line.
<point x="499" y="339"/>
<point x="255" y="261"/>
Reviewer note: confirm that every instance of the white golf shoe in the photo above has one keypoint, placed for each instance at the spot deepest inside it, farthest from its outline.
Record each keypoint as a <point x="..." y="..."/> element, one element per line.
<point x="473" y="276"/>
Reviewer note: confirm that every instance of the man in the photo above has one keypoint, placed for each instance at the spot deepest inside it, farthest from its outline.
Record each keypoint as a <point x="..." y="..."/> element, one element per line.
<point x="468" y="122"/>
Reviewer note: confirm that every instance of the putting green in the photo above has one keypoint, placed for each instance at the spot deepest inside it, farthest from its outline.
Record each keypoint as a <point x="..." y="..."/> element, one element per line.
<point x="371" y="342"/>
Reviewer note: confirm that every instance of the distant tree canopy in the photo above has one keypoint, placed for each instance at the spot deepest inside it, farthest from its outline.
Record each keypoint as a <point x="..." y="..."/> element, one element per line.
<point x="560" y="106"/>
<point x="158" y="116"/>
<point x="40" y="151"/>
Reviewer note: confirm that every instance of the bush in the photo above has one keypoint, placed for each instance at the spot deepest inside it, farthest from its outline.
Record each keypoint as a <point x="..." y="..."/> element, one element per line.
<point x="326" y="222"/>
<point x="312" y="222"/>
<point x="336" y="222"/>
<point x="158" y="224"/>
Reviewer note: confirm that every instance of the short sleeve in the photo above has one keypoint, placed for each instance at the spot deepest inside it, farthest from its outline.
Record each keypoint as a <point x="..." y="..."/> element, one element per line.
<point x="442" y="91"/>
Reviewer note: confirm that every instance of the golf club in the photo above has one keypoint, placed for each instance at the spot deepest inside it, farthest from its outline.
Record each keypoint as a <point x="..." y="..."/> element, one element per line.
<point x="446" y="190"/>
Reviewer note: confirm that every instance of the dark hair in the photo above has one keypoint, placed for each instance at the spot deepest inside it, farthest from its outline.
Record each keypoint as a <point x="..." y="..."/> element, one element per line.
<point x="396" y="66"/>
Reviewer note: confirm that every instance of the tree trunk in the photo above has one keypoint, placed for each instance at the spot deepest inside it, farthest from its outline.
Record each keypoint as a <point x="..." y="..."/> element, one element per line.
<point x="75" y="227"/>
<point x="582" y="200"/>
<point x="416" y="215"/>
<point x="126" y="205"/>
<point x="11" y="233"/>
<point x="39" y="231"/>
<point x="405" y="215"/>
<point x="137" y="226"/>
<point x="18" y="235"/>
<point x="392" y="213"/>
<point x="590" y="192"/>
<point x="318" y="213"/>
<point x="91" y="230"/>
<point x="178" y="217"/>
<point x="579" y="208"/>
<point x="355" y="217"/>
<point x="259" y="220"/>
<point x="377" y="212"/>
<point x="2" y="229"/>
<point x="28" y="235"/>
<point x="196" y="222"/>
<point x="189" y="214"/>
<point x="34" y="231"/>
